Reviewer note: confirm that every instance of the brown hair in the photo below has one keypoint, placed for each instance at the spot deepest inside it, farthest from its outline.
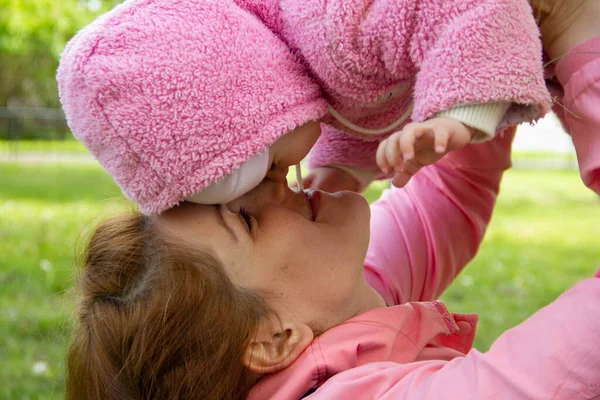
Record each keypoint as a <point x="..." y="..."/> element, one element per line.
<point x="157" y="319"/>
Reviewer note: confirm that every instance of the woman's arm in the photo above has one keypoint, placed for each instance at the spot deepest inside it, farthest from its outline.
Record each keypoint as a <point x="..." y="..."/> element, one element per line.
<point x="424" y="234"/>
<point x="579" y="74"/>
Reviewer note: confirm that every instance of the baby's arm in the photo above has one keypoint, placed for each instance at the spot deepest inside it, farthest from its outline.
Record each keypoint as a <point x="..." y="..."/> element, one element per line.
<point x="463" y="52"/>
<point x="488" y="52"/>
<point x="408" y="150"/>
<point x="420" y="144"/>
<point x="482" y="119"/>
<point x="415" y="146"/>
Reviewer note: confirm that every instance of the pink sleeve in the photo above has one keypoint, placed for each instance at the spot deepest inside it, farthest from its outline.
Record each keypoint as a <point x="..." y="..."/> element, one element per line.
<point x="555" y="354"/>
<point x="423" y="235"/>
<point x="488" y="50"/>
<point x="580" y="77"/>
<point x="461" y="51"/>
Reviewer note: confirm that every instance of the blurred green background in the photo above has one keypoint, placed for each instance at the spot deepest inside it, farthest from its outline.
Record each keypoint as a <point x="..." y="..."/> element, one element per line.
<point x="542" y="239"/>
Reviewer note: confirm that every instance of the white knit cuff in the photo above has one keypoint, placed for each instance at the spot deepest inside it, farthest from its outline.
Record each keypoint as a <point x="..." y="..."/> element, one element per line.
<point x="484" y="117"/>
<point x="363" y="177"/>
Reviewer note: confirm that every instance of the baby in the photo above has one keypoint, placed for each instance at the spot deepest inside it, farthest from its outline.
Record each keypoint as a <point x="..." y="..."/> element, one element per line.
<point x="442" y="71"/>
<point x="216" y="89"/>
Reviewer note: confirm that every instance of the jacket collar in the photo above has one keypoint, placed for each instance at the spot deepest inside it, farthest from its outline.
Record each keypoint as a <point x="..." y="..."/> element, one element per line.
<point x="401" y="334"/>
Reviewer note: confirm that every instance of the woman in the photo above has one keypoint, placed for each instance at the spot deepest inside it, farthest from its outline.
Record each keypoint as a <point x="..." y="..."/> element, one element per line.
<point x="280" y="293"/>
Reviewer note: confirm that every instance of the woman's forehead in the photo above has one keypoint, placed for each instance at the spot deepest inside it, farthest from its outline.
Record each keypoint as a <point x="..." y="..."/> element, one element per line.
<point x="189" y="220"/>
<point x="184" y="211"/>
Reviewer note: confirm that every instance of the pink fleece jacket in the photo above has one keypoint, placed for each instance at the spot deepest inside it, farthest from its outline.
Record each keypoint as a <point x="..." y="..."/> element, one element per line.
<point x="377" y="59"/>
<point x="578" y="76"/>
<point x="416" y="349"/>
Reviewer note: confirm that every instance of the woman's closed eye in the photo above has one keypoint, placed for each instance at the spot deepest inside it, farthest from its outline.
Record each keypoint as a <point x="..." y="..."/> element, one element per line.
<point x="248" y="218"/>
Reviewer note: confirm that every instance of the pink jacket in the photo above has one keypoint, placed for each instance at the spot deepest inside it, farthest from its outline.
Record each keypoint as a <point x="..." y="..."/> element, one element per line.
<point x="574" y="82"/>
<point x="376" y="59"/>
<point x="578" y="75"/>
<point x="416" y="349"/>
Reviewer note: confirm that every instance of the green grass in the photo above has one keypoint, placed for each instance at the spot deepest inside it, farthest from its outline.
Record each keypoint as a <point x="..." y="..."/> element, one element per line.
<point x="537" y="155"/>
<point x="43" y="210"/>
<point x="42" y="146"/>
<point x="542" y="239"/>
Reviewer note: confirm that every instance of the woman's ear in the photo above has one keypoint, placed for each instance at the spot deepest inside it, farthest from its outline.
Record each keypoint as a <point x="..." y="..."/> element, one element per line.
<point x="276" y="345"/>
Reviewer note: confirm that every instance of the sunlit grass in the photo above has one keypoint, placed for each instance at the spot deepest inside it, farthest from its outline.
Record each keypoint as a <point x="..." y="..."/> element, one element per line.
<point x="43" y="211"/>
<point x="42" y="146"/>
<point x="542" y="239"/>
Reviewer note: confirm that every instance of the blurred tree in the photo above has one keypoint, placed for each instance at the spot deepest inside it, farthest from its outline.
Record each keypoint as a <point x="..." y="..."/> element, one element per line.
<point x="32" y="36"/>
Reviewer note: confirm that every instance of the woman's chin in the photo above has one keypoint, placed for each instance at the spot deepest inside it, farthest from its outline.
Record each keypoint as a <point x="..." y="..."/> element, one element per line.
<point x="360" y="205"/>
<point x="356" y="217"/>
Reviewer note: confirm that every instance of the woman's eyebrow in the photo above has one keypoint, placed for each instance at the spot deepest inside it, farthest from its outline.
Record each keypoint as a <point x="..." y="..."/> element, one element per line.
<point x="224" y="224"/>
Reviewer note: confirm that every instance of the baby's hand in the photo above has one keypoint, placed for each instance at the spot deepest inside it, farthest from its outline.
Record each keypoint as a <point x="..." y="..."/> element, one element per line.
<point x="331" y="179"/>
<point x="420" y="144"/>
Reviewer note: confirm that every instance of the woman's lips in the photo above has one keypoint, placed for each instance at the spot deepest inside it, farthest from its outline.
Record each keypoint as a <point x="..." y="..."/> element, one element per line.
<point x="314" y="198"/>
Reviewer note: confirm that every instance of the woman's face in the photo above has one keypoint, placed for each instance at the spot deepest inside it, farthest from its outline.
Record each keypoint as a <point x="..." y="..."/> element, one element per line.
<point x="303" y="250"/>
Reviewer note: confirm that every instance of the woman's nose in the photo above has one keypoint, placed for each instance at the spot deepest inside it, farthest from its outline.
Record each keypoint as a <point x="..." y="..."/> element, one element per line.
<point x="280" y="190"/>
<point x="277" y="174"/>
<point x="271" y="193"/>
<point x="280" y="193"/>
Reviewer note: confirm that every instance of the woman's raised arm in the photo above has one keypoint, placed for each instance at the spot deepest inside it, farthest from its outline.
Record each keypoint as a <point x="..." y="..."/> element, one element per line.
<point x="424" y="234"/>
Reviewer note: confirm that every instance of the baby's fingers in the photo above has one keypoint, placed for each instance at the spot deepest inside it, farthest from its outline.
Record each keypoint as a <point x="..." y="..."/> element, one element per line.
<point x="392" y="153"/>
<point x="402" y="177"/>
<point x="441" y="140"/>
<point x="409" y="136"/>
<point x="381" y="158"/>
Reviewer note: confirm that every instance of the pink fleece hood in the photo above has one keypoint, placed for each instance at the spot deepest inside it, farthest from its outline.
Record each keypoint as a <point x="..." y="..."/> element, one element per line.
<point x="173" y="95"/>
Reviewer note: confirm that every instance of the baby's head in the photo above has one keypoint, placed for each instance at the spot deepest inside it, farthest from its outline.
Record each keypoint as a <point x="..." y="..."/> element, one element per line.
<point x="272" y="163"/>
<point x="172" y="97"/>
